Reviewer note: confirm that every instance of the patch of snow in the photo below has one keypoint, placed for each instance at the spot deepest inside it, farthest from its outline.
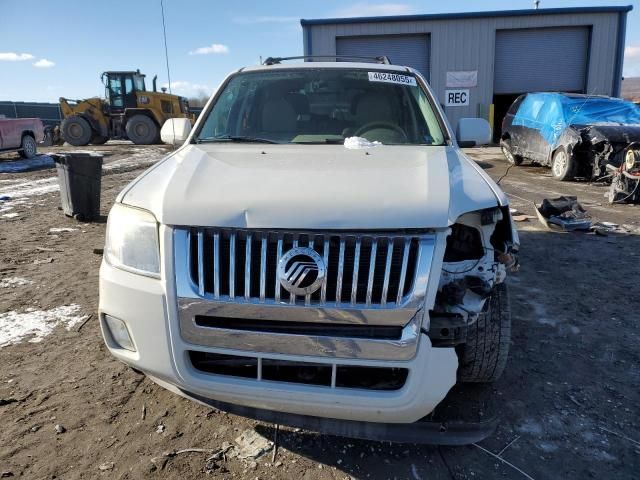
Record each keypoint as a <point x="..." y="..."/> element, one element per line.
<point x="530" y="426"/>
<point x="62" y="229"/>
<point x="10" y="215"/>
<point x="12" y="282"/>
<point x="30" y="189"/>
<point x="37" y="324"/>
<point x="250" y="444"/>
<point x="19" y="194"/>
<point x="148" y="156"/>
<point x="548" y="447"/>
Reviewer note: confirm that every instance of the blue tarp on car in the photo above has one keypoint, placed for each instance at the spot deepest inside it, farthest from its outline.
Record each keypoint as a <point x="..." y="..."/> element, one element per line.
<point x="551" y="113"/>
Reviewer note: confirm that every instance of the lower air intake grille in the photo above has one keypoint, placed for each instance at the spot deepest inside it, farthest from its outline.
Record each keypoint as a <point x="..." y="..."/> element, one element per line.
<point x="346" y="376"/>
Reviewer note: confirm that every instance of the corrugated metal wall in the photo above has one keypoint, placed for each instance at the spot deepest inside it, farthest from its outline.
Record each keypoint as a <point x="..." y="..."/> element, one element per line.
<point x="469" y="44"/>
<point x="409" y="50"/>
<point x="528" y="60"/>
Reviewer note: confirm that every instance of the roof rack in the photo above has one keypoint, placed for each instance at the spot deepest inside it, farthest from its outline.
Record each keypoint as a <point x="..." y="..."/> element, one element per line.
<point x="276" y="60"/>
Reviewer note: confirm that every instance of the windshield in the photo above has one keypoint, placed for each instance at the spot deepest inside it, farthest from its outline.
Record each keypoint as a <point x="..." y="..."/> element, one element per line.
<point x="600" y="110"/>
<point x="139" y="79"/>
<point x="323" y="106"/>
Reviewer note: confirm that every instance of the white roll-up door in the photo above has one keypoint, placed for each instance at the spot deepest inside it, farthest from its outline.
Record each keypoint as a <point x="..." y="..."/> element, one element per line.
<point x="541" y="59"/>
<point x="407" y="50"/>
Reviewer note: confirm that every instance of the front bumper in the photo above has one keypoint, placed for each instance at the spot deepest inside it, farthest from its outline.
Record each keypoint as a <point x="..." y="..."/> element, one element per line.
<point x="149" y="308"/>
<point x="425" y="431"/>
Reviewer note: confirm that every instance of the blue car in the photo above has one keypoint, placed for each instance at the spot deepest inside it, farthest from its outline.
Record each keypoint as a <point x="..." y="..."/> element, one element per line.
<point x="576" y="135"/>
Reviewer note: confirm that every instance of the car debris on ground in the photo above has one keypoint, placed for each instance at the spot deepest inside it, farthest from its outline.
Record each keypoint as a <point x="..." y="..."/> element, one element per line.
<point x="565" y="213"/>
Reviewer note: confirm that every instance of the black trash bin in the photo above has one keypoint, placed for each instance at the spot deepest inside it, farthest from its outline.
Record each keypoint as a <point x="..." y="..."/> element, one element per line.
<point x="80" y="178"/>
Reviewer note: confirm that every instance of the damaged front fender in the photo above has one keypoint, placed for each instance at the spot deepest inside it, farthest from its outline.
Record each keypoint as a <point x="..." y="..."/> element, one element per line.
<point x="593" y="147"/>
<point x="481" y="249"/>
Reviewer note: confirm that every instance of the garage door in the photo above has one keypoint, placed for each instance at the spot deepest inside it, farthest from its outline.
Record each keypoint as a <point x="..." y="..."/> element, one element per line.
<point x="409" y="50"/>
<point x="541" y="59"/>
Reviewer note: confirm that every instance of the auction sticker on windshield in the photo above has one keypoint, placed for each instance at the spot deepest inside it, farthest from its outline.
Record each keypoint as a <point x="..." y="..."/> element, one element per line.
<point x="392" y="78"/>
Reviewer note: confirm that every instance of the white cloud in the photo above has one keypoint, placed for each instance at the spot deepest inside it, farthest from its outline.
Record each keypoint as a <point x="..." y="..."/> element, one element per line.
<point x="188" y="89"/>
<point x="215" y="48"/>
<point x="252" y="20"/>
<point x="15" y="57"/>
<point x="367" y="9"/>
<point x="632" y="61"/>
<point x="44" y="63"/>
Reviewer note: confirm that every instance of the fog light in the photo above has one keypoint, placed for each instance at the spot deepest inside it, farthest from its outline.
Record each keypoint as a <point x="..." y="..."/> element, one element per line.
<point x="119" y="333"/>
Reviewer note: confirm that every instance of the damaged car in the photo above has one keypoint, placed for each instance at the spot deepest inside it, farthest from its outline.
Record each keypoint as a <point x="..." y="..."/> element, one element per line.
<point x="576" y="135"/>
<point x="318" y="253"/>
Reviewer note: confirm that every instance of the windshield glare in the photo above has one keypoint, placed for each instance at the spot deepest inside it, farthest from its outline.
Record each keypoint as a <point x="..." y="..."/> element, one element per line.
<point x="322" y="106"/>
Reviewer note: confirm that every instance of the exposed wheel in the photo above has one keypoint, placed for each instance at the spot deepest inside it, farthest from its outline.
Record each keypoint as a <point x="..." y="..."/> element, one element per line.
<point x="141" y="130"/>
<point x="76" y="131"/>
<point x="28" y="147"/>
<point x="562" y="166"/>
<point x="505" y="145"/>
<point x="48" y="137"/>
<point x="99" y="140"/>
<point x="484" y="356"/>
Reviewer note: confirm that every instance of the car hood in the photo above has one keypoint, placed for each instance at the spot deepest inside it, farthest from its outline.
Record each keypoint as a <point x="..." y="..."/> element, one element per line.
<point x="611" y="132"/>
<point x="313" y="187"/>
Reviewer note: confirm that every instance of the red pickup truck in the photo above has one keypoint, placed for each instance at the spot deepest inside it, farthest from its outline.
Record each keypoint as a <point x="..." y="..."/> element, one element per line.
<point x="21" y="134"/>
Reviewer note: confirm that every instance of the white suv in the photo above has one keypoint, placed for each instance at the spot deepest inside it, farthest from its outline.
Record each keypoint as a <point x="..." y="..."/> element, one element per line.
<point x="319" y="252"/>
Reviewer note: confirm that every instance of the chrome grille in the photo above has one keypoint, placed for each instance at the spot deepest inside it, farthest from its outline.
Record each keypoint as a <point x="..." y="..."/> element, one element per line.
<point x="362" y="269"/>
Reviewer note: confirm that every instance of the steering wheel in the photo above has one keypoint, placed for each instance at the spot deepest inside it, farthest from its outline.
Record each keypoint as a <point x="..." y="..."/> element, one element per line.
<point x="372" y="126"/>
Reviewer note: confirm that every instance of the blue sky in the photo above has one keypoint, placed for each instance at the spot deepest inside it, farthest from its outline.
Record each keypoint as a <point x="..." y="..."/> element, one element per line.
<point x="59" y="48"/>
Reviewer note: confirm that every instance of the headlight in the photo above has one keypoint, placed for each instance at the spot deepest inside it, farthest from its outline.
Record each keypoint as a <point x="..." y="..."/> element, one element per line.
<point x="132" y="240"/>
<point x="632" y="158"/>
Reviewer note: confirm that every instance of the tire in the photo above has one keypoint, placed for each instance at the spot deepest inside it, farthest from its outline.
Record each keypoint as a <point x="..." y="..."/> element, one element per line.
<point x="76" y="131"/>
<point x="141" y="130"/>
<point x="562" y="165"/>
<point x="28" y="147"/>
<point x="516" y="160"/>
<point x="484" y="356"/>
<point x="99" y="140"/>
<point x="48" y="137"/>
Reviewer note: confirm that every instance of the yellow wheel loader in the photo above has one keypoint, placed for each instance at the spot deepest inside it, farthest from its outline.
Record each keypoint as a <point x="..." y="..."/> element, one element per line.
<point x="128" y="111"/>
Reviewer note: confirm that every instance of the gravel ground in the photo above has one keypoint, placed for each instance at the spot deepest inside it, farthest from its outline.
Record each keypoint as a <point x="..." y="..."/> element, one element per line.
<point x="68" y="410"/>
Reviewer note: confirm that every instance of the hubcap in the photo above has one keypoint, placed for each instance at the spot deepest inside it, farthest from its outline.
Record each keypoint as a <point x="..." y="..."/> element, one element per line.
<point x="28" y="147"/>
<point x="560" y="164"/>
<point x="75" y="130"/>
<point x="141" y="130"/>
<point x="508" y="154"/>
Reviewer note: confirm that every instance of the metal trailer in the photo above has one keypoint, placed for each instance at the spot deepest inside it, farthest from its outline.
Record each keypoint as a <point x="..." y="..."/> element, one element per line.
<point x="49" y="113"/>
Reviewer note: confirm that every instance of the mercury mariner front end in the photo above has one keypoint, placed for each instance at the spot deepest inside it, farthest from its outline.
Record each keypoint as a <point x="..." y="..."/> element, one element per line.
<point x="306" y="283"/>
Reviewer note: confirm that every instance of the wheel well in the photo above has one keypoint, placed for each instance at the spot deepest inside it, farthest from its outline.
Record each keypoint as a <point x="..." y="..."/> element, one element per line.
<point x="132" y="112"/>
<point x="28" y="133"/>
<point x="553" y="152"/>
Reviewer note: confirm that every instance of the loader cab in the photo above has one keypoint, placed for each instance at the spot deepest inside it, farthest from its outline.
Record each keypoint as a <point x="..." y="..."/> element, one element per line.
<point x="121" y="88"/>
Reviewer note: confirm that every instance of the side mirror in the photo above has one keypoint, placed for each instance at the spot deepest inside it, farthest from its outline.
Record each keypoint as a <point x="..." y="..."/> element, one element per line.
<point x="175" y="131"/>
<point x="473" y="131"/>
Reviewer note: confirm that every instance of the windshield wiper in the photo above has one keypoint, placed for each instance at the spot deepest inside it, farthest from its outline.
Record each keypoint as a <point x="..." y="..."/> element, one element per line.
<point x="324" y="141"/>
<point x="235" y="138"/>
